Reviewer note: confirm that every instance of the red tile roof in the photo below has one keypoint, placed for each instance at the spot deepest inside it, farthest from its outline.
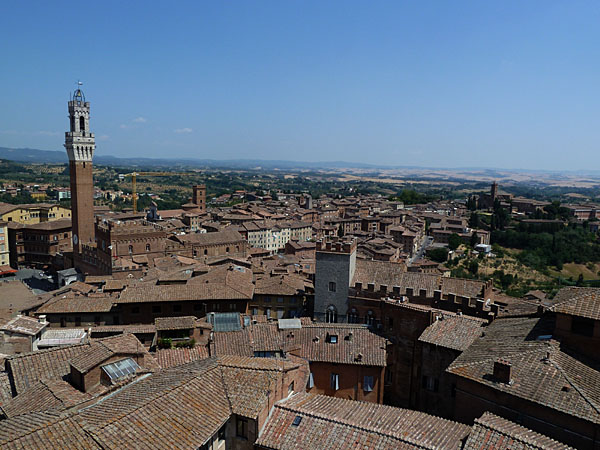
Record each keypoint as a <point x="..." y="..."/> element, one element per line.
<point x="454" y="332"/>
<point x="151" y="293"/>
<point x="328" y="422"/>
<point x="491" y="431"/>
<point x="173" y="357"/>
<point x="540" y="368"/>
<point x="581" y="302"/>
<point x="356" y="344"/>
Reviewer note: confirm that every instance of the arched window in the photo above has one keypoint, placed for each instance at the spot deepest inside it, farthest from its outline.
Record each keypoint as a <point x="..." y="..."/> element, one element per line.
<point x="353" y="316"/>
<point x="147" y="247"/>
<point x="227" y="250"/>
<point x="81" y="123"/>
<point x="205" y="251"/>
<point x="130" y="249"/>
<point x="369" y="318"/>
<point x="331" y="314"/>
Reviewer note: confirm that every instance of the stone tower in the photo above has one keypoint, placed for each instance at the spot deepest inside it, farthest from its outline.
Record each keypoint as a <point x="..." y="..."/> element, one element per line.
<point x="494" y="192"/>
<point x="335" y="266"/>
<point x="199" y="196"/>
<point x="80" y="145"/>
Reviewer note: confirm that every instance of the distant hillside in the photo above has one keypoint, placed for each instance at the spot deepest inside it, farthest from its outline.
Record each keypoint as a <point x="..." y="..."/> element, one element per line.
<point x="31" y="155"/>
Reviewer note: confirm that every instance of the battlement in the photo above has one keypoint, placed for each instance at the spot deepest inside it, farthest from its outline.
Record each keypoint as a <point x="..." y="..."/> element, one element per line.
<point x="336" y="246"/>
<point x="470" y="306"/>
<point x="128" y="226"/>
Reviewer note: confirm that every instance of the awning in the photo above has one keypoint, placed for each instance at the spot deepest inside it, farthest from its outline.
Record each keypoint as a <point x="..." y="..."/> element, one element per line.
<point x="7" y="270"/>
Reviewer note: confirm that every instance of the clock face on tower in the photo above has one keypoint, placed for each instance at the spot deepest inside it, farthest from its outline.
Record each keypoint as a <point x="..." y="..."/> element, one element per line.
<point x="75" y="239"/>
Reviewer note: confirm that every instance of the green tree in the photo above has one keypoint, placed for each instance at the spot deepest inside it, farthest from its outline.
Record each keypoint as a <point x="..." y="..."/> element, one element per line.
<point x="474" y="239"/>
<point x="439" y="254"/>
<point x="454" y="241"/>
<point x="474" y="220"/>
<point x="474" y="267"/>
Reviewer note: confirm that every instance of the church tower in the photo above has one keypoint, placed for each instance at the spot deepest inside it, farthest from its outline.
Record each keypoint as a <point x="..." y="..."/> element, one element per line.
<point x="80" y="145"/>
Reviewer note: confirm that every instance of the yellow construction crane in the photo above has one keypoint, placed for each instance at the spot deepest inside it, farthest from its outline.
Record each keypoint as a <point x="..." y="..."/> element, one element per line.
<point x="133" y="176"/>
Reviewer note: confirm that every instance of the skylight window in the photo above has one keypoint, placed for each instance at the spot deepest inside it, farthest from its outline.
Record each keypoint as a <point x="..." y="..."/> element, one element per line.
<point x="120" y="369"/>
<point x="297" y="421"/>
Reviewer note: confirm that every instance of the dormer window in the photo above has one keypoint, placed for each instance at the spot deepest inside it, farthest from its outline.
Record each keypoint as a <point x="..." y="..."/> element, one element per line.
<point x="120" y="369"/>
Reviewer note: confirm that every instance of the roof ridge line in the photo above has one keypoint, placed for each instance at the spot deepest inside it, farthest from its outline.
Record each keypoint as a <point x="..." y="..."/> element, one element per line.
<point x="148" y="400"/>
<point x="577" y="388"/>
<point x="479" y="361"/>
<point x="346" y="423"/>
<point x="45" y="425"/>
<point x="519" y="436"/>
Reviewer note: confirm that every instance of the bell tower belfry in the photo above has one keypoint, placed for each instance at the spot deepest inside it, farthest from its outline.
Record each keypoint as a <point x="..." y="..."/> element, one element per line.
<point x="80" y="145"/>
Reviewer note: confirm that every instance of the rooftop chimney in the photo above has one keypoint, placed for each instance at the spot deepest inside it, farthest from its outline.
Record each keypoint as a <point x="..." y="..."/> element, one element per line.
<point x="502" y="371"/>
<point x="42" y="318"/>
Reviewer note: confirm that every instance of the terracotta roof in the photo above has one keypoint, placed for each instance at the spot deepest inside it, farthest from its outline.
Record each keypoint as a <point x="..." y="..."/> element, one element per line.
<point x="232" y="343"/>
<point x="540" y="368"/>
<point x="54" y="364"/>
<point x="454" y="332"/>
<point x="100" y="350"/>
<point x="50" y="225"/>
<point x="28" y="368"/>
<point x="356" y="344"/>
<point x="133" y="329"/>
<point x="393" y="274"/>
<point x="231" y="276"/>
<point x="248" y="390"/>
<point x="280" y="285"/>
<point x="6" y="392"/>
<point x="460" y="286"/>
<point x="115" y="285"/>
<point x="328" y="422"/>
<point x="71" y="303"/>
<point x="150" y="412"/>
<point x="216" y="238"/>
<point x="173" y="357"/>
<point x="45" y="395"/>
<point x="24" y="325"/>
<point x="175" y="323"/>
<point x="162" y="293"/>
<point x="44" y="430"/>
<point x="581" y="302"/>
<point x="491" y="431"/>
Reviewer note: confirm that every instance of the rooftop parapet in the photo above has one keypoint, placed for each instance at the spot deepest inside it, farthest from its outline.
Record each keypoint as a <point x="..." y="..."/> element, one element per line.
<point x="336" y="246"/>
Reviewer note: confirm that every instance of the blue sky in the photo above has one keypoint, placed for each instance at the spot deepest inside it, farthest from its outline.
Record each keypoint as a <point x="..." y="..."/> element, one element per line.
<point x="443" y="84"/>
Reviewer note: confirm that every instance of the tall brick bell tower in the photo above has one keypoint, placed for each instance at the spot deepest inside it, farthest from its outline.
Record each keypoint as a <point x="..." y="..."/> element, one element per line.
<point x="80" y="145"/>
